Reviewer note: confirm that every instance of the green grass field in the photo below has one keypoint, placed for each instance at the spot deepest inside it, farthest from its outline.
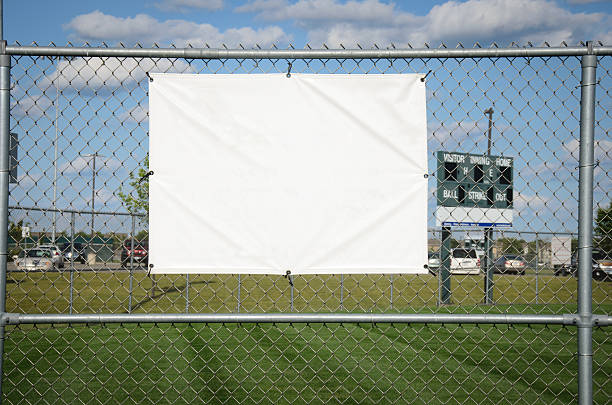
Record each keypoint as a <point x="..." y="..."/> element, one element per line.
<point x="227" y="364"/>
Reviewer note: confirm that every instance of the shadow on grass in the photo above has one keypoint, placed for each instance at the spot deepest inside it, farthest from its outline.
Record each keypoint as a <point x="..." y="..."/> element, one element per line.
<point x="157" y="292"/>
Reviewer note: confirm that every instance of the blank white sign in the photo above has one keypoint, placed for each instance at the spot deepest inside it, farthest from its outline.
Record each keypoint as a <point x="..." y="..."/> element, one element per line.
<point x="264" y="174"/>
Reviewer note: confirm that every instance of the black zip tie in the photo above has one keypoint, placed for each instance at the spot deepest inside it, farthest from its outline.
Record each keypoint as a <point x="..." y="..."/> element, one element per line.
<point x="426" y="74"/>
<point x="288" y="277"/>
<point x="149" y="76"/>
<point x="289" y="65"/>
<point x="596" y="164"/>
<point x="145" y="176"/>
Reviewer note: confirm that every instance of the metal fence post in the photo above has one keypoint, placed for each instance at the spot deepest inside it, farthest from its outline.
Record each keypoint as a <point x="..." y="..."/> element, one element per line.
<point x="537" y="268"/>
<point x="187" y="293"/>
<point x="341" y="292"/>
<point x="291" y="284"/>
<point x="5" y="90"/>
<point x="391" y="289"/>
<point x="488" y="268"/>
<point x="71" y="260"/>
<point x="238" y="295"/>
<point x="585" y="227"/>
<point x="445" y="263"/>
<point x="131" y="263"/>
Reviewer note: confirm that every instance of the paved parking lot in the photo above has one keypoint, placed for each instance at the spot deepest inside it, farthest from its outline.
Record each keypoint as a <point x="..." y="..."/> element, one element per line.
<point x="87" y="267"/>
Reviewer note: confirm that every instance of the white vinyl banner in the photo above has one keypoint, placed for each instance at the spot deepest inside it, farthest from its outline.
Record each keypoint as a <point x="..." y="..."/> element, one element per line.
<point x="264" y="174"/>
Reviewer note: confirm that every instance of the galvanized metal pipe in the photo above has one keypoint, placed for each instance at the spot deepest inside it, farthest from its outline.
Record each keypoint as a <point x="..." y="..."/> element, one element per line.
<point x="238" y="294"/>
<point x="211" y="53"/>
<point x="500" y="319"/>
<point x="72" y="219"/>
<point x="71" y="210"/>
<point x="133" y="235"/>
<point x="444" y="269"/>
<point x="391" y="289"/>
<point x="5" y="96"/>
<point x="537" y="256"/>
<point x="585" y="229"/>
<point x="341" y="292"/>
<point x="187" y="293"/>
<point x="488" y="266"/>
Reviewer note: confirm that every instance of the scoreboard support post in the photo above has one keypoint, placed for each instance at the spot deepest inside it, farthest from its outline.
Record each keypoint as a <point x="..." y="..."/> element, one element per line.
<point x="445" y="264"/>
<point x="487" y="265"/>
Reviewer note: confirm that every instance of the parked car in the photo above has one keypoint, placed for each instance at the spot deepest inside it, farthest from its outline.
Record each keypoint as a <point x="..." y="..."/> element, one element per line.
<point x="603" y="269"/>
<point x="140" y="255"/>
<point x="56" y="255"/>
<point x="76" y="252"/>
<point x="433" y="262"/>
<point x="598" y="258"/>
<point x="464" y="261"/>
<point x="510" y="264"/>
<point x="35" y="260"/>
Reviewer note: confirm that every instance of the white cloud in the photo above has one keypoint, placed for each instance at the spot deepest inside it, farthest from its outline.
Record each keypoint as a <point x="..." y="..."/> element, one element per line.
<point x="83" y="163"/>
<point x="97" y="26"/>
<point x="98" y="73"/>
<point x="602" y="149"/>
<point x="319" y="11"/>
<point x="29" y="179"/>
<point x="373" y="21"/>
<point x="530" y="201"/>
<point x="586" y="1"/>
<point x="33" y="107"/>
<point x="185" y="5"/>
<point x="138" y="114"/>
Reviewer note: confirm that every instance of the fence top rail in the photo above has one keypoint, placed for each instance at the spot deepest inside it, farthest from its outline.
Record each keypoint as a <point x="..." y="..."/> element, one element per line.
<point x="436" y="318"/>
<point x="75" y="211"/>
<point x="215" y="53"/>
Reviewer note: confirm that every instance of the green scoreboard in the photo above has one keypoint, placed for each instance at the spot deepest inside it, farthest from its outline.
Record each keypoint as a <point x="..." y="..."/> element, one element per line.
<point x="474" y="190"/>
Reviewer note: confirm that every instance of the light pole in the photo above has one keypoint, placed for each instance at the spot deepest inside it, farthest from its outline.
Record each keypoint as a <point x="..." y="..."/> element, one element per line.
<point x="489" y="111"/>
<point x="488" y="233"/>
<point x="93" y="189"/>
<point x="55" y="158"/>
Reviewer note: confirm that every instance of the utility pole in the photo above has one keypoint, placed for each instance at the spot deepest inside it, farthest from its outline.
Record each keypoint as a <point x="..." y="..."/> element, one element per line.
<point x="93" y="189"/>
<point x="488" y="233"/>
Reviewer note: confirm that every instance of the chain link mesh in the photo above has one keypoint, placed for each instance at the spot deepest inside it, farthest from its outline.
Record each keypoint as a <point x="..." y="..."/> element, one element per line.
<point x="81" y="125"/>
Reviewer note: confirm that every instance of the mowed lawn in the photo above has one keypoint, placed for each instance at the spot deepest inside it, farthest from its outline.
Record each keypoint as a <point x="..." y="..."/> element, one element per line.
<point x="244" y="364"/>
<point x="109" y="292"/>
<point x="281" y="363"/>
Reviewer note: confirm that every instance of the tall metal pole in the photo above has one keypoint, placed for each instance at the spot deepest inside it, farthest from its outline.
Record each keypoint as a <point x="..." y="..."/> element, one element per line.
<point x="93" y="195"/>
<point x="585" y="228"/>
<point x="54" y="232"/>
<point x="488" y="232"/>
<point x="537" y="267"/>
<point x="489" y="111"/>
<point x="5" y="99"/>
<point x="72" y="220"/>
<point x="93" y="192"/>
<point x="445" y="263"/>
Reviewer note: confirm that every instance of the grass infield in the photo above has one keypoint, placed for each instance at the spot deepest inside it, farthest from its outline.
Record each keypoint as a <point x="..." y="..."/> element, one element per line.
<point x="227" y="364"/>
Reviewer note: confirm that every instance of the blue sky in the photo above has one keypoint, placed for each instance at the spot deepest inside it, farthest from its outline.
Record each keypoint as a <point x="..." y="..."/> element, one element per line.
<point x="536" y="102"/>
<point x="299" y="22"/>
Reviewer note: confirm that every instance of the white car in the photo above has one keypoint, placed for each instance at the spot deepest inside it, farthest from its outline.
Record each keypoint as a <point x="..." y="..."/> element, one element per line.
<point x="464" y="261"/>
<point x="34" y="260"/>
<point x="56" y="255"/>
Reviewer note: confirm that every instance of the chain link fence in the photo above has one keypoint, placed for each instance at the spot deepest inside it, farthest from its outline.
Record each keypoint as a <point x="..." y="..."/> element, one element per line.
<point x="79" y="125"/>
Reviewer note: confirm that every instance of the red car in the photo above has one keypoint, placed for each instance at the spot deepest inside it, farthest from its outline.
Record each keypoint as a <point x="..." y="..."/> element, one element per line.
<point x="140" y="254"/>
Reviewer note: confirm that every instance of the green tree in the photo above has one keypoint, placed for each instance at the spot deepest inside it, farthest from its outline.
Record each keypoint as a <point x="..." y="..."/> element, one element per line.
<point x="603" y="229"/>
<point x="15" y="238"/>
<point x="136" y="200"/>
<point x="511" y="246"/>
